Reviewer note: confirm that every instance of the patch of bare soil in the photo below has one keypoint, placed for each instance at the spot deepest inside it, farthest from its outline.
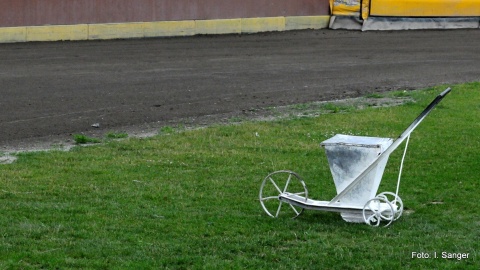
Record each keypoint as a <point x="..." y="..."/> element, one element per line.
<point x="53" y="90"/>
<point x="312" y="109"/>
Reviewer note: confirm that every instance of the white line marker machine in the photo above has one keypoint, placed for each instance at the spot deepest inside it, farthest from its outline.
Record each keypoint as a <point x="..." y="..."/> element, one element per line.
<point x="357" y="164"/>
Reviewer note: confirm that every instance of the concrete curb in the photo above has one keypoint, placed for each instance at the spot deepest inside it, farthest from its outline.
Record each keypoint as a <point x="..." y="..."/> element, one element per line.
<point x="160" y="29"/>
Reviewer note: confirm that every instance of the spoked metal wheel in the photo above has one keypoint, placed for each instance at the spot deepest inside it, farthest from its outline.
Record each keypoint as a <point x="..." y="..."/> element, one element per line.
<point x="377" y="210"/>
<point x="277" y="183"/>
<point x="395" y="201"/>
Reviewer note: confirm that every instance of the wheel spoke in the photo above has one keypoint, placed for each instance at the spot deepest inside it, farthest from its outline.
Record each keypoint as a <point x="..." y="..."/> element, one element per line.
<point x="386" y="214"/>
<point x="279" y="207"/>
<point x="288" y="182"/>
<point x="275" y="184"/>
<point x="378" y="221"/>
<point x="295" y="210"/>
<point x="270" y="198"/>
<point x="374" y="219"/>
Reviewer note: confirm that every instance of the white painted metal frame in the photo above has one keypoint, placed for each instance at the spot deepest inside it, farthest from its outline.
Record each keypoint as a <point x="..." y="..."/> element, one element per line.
<point x="373" y="212"/>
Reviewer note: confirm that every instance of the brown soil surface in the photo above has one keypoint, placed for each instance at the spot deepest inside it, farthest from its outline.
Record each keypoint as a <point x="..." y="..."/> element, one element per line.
<point x="52" y="90"/>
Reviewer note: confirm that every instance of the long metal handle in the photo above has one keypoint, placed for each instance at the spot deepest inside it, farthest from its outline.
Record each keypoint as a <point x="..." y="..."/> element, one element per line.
<point x="393" y="146"/>
<point x="425" y="112"/>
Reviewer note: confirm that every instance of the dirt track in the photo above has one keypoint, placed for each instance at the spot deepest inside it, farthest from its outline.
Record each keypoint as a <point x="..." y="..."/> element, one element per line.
<point x="61" y="88"/>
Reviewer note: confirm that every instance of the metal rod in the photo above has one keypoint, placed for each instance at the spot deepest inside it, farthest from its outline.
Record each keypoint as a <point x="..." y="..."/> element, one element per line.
<point x="401" y="167"/>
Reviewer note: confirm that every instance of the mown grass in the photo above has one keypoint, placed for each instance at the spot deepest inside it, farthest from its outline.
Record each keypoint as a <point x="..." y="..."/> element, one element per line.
<point x="189" y="199"/>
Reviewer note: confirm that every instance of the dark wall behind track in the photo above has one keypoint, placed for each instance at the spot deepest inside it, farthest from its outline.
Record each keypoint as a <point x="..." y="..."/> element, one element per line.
<point x="64" y="12"/>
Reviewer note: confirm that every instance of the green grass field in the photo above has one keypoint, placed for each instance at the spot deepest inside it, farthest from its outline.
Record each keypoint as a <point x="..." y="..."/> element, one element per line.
<point x="188" y="199"/>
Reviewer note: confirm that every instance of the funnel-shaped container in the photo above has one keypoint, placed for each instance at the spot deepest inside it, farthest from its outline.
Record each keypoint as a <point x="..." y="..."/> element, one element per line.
<point x="348" y="156"/>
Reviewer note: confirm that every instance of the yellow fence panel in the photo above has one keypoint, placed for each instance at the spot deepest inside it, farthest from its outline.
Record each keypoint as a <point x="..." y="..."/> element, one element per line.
<point x="425" y="8"/>
<point x="345" y="7"/>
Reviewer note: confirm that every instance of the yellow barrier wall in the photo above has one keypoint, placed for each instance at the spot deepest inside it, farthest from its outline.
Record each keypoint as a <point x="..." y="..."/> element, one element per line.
<point x="306" y="22"/>
<point x="225" y="26"/>
<point x="170" y="28"/>
<point x="255" y="25"/>
<point x="425" y="8"/>
<point x="160" y="29"/>
<point x="13" y="34"/>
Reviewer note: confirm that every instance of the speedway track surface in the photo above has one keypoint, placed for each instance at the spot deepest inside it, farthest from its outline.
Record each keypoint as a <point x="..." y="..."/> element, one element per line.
<point x="55" y="89"/>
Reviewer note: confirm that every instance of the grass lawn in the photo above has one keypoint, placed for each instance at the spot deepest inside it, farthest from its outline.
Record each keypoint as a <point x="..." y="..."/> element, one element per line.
<point x="188" y="199"/>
